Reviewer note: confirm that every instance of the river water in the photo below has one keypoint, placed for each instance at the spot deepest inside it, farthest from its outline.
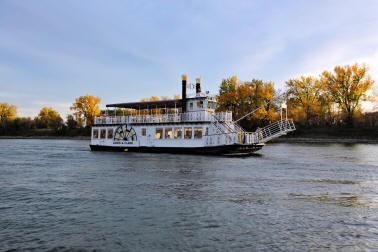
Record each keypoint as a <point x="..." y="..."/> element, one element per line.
<point x="58" y="195"/>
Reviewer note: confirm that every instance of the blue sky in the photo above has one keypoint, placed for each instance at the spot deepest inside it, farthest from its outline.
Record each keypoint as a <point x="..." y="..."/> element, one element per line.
<point x="53" y="51"/>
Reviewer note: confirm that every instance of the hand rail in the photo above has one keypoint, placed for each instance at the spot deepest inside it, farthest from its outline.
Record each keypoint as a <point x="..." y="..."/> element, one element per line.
<point x="269" y="132"/>
<point x="166" y="118"/>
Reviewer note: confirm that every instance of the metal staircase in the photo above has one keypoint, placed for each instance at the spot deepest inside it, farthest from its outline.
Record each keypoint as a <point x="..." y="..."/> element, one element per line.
<point x="275" y="130"/>
<point x="260" y="136"/>
<point x="222" y="126"/>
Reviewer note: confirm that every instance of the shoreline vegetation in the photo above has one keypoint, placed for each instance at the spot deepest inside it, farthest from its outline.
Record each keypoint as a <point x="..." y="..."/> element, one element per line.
<point x="288" y="140"/>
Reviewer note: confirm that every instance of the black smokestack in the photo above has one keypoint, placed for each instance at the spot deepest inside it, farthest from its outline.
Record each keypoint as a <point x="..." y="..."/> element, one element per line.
<point x="183" y="94"/>
<point x="198" y="86"/>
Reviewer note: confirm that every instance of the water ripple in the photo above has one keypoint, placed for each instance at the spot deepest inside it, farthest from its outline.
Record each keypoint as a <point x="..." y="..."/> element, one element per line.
<point x="59" y="196"/>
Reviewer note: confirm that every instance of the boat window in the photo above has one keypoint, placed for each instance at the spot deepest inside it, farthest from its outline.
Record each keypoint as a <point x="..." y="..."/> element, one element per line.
<point x="102" y="133"/>
<point x="144" y="131"/>
<point x="178" y="133"/>
<point x="191" y="106"/>
<point x="199" y="104"/>
<point x="197" y="133"/>
<point x="187" y="133"/>
<point x="159" y="133"/>
<point x="110" y="133"/>
<point x="95" y="134"/>
<point x="207" y="131"/>
<point x="211" y="105"/>
<point x="168" y="133"/>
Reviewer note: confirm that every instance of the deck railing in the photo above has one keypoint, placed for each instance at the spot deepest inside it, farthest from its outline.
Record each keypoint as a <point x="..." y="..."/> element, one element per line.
<point x="197" y="116"/>
<point x="269" y="132"/>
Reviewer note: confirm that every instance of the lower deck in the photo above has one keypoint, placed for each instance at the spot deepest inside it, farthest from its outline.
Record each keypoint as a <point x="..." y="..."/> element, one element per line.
<point x="192" y="135"/>
<point x="235" y="149"/>
<point x="196" y="137"/>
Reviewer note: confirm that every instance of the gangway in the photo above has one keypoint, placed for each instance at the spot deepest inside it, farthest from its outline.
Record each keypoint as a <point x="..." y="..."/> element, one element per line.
<point x="274" y="130"/>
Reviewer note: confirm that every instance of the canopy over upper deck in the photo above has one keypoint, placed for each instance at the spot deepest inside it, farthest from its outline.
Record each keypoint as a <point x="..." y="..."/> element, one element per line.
<point x="177" y="103"/>
<point x="148" y="104"/>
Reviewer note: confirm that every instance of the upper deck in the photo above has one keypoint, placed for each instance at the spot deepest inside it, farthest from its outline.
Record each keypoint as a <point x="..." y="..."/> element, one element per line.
<point x="188" y="109"/>
<point x="188" y="117"/>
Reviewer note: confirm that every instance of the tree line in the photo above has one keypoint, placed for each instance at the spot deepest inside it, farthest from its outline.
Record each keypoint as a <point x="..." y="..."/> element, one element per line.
<point x="333" y="99"/>
<point x="49" y="121"/>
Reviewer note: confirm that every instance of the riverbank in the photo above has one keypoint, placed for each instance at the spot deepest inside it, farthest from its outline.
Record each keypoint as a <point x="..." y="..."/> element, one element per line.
<point x="312" y="140"/>
<point x="300" y="135"/>
<point x="331" y="135"/>
<point x="323" y="140"/>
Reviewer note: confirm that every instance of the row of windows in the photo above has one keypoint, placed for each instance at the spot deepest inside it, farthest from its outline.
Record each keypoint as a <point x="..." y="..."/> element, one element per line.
<point x="160" y="133"/>
<point x="178" y="133"/>
<point x="103" y="134"/>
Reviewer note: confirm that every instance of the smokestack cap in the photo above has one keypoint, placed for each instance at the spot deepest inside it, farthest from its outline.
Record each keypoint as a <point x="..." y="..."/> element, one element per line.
<point x="183" y="77"/>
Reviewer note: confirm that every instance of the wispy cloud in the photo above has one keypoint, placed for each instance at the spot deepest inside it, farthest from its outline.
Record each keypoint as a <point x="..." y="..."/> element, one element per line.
<point x="128" y="50"/>
<point x="340" y="50"/>
<point x="33" y="108"/>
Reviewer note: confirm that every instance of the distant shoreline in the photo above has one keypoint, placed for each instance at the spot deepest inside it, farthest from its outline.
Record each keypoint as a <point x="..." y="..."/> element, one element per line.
<point x="312" y="140"/>
<point x="321" y="140"/>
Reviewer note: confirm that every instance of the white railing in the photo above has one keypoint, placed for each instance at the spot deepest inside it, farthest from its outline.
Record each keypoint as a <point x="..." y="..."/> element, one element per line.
<point x="248" y="138"/>
<point x="267" y="133"/>
<point x="197" y="116"/>
<point x="223" y="116"/>
<point x="221" y="139"/>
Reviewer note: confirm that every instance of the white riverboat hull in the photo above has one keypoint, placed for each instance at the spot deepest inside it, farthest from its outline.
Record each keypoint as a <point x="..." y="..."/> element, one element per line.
<point x="234" y="150"/>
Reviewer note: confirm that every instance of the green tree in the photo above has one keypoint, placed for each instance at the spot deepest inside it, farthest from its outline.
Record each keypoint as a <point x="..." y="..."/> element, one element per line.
<point x="347" y="85"/>
<point x="22" y="124"/>
<point x="86" y="108"/>
<point x="49" y="118"/>
<point x="71" y="122"/>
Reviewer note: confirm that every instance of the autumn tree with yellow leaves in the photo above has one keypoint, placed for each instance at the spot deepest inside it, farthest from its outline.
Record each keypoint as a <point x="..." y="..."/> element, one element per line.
<point x="152" y="98"/>
<point x="304" y="97"/>
<point x="347" y="86"/>
<point x="227" y="98"/>
<point x="7" y="112"/>
<point x="332" y="99"/>
<point x="243" y="97"/>
<point x="263" y="95"/>
<point x="86" y="108"/>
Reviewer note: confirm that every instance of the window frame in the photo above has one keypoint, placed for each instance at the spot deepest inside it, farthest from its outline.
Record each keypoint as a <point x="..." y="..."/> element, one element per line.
<point x="196" y="130"/>
<point x="166" y="130"/>
<point x="95" y="132"/>
<point x="108" y="133"/>
<point x="103" y="133"/>
<point x="161" y="133"/>
<point x="143" y="131"/>
<point x="176" y="130"/>
<point x="191" y="132"/>
<point x="200" y="104"/>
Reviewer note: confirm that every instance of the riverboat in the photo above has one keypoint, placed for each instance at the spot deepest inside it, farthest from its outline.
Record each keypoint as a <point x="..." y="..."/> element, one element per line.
<point x="187" y="125"/>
